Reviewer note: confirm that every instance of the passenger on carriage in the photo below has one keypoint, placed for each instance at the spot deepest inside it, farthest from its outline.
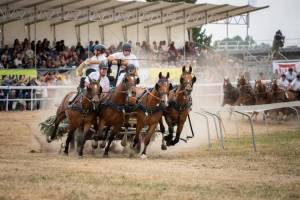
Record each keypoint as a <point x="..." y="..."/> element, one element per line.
<point x="296" y="86"/>
<point x="99" y="57"/>
<point x="123" y="59"/>
<point x="102" y="74"/>
<point x="283" y="83"/>
<point x="291" y="75"/>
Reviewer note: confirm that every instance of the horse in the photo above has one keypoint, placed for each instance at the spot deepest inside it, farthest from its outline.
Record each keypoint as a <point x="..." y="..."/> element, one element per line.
<point x="81" y="113"/>
<point x="261" y="93"/>
<point x="246" y="95"/>
<point x="180" y="103"/>
<point x="231" y="93"/>
<point x="280" y="95"/>
<point x="149" y="110"/>
<point x="112" y="111"/>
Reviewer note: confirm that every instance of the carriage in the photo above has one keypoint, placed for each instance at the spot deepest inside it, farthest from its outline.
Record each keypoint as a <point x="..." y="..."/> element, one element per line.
<point x="127" y="113"/>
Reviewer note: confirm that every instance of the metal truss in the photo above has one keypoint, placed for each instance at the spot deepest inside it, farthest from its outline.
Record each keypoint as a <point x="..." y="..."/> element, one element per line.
<point x="235" y="20"/>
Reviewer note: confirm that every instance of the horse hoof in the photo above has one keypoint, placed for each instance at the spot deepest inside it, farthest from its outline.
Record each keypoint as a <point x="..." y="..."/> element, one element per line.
<point x="105" y="155"/>
<point x="144" y="156"/>
<point x="49" y="140"/>
<point x="123" y="143"/>
<point x="95" y="144"/>
<point x="163" y="147"/>
<point x="66" y="153"/>
<point x="102" y="145"/>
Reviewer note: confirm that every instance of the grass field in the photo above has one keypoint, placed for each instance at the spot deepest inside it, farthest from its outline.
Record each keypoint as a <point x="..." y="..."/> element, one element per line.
<point x="197" y="173"/>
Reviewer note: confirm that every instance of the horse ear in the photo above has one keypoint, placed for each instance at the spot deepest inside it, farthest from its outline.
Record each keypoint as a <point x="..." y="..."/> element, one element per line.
<point x="183" y="69"/>
<point x="170" y="86"/>
<point x="137" y="81"/>
<point x="159" y="75"/>
<point x="156" y="87"/>
<point x="194" y="79"/>
<point x="190" y="69"/>
<point x="168" y="75"/>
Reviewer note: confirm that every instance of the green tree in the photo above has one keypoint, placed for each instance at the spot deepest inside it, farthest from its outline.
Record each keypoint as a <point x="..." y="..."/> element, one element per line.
<point x="200" y="37"/>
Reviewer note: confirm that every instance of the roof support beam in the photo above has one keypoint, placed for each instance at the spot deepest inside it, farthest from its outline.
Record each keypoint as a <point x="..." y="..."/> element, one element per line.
<point x="211" y="9"/>
<point x="10" y="2"/>
<point x="223" y="15"/>
<point x="102" y="10"/>
<point x="65" y="12"/>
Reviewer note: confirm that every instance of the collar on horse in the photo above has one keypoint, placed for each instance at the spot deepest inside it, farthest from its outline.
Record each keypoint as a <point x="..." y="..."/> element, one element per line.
<point x="77" y="105"/>
<point x="179" y="107"/>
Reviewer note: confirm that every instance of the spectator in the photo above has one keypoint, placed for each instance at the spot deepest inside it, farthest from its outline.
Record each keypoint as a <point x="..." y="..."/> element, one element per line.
<point x="290" y="75"/>
<point x="283" y="83"/>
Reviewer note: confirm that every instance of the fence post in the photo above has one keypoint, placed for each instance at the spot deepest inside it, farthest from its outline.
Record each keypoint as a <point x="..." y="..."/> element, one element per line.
<point x="31" y="101"/>
<point x="6" y="106"/>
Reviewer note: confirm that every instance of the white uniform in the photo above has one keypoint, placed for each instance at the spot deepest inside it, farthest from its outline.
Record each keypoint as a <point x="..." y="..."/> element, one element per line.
<point x="132" y="59"/>
<point x="296" y="85"/>
<point x="104" y="81"/>
<point x="290" y="76"/>
<point x="284" y="84"/>
<point x="101" y="57"/>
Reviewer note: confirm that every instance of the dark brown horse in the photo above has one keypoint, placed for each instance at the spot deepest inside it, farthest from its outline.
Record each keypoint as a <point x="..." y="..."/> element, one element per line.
<point x="180" y="102"/>
<point x="112" y="112"/>
<point x="81" y="113"/>
<point x="246" y="94"/>
<point x="231" y="93"/>
<point x="150" y="109"/>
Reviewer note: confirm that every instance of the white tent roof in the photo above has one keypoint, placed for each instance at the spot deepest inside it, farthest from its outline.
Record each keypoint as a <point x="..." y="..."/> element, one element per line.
<point x="128" y="13"/>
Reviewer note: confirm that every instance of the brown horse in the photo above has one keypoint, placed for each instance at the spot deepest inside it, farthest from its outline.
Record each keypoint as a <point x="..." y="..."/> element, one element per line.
<point x="261" y="93"/>
<point x="231" y="93"/>
<point x="180" y="102"/>
<point x="112" y="112"/>
<point x="81" y="113"/>
<point x="149" y="110"/>
<point x="246" y="94"/>
<point x="279" y="95"/>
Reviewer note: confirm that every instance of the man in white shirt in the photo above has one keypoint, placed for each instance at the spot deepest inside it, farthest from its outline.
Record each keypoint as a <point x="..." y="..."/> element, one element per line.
<point x="123" y="59"/>
<point x="104" y="81"/>
<point x="290" y="75"/>
<point x="99" y="57"/>
<point x="283" y="83"/>
<point x="296" y="86"/>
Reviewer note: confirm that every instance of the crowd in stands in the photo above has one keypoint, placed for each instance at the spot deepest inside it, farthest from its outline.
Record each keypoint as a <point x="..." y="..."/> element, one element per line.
<point x="24" y="54"/>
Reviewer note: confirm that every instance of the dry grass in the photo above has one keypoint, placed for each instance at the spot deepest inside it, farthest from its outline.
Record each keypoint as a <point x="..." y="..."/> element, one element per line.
<point x="199" y="173"/>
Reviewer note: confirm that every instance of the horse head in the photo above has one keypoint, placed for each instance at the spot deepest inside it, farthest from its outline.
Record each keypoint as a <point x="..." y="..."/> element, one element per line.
<point x="242" y="80"/>
<point x="129" y="82"/>
<point x="274" y="85"/>
<point x="162" y="88"/>
<point x="93" y="92"/>
<point x="187" y="81"/>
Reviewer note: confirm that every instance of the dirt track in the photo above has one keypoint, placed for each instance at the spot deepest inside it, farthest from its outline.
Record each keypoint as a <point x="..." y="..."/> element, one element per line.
<point x="33" y="170"/>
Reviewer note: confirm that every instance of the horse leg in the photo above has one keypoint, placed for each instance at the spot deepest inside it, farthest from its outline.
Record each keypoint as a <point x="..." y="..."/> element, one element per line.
<point x="86" y="128"/>
<point x="111" y="138"/>
<point x="95" y="141"/>
<point x="178" y="132"/>
<point x="103" y="143"/>
<point x="69" y="139"/>
<point x="162" y="130"/>
<point x="147" y="139"/>
<point x="61" y="116"/>
<point x="137" y="139"/>
<point x="169" y="137"/>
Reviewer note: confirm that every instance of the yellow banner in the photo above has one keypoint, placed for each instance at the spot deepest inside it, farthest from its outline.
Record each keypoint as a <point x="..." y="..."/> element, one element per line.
<point x="17" y="72"/>
<point x="175" y="73"/>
